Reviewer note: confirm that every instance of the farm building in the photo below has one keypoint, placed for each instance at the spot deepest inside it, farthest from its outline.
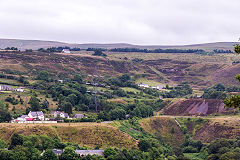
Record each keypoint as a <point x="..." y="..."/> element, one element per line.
<point x="66" y="51"/>
<point x="89" y="152"/>
<point x="143" y="85"/>
<point x="58" y="152"/>
<point x="62" y="114"/>
<point x="20" y="90"/>
<point x="159" y="87"/>
<point x="78" y="116"/>
<point x="5" y="88"/>
<point x="22" y="118"/>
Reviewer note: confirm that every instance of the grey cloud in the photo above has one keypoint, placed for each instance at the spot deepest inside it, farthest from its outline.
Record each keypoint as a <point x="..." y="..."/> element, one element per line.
<point x="130" y="21"/>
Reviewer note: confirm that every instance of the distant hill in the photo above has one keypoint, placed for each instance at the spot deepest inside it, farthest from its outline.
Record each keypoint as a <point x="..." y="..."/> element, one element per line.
<point x="35" y="44"/>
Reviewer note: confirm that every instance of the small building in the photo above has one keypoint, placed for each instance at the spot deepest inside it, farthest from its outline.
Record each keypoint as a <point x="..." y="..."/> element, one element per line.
<point x="58" y="152"/>
<point x="60" y="80"/>
<point x="89" y="152"/>
<point x="20" y="90"/>
<point x="66" y="51"/>
<point x="5" y="88"/>
<point x="36" y="115"/>
<point x="61" y="114"/>
<point x="22" y="118"/>
<point x="143" y="85"/>
<point x="159" y="87"/>
<point x="78" y="116"/>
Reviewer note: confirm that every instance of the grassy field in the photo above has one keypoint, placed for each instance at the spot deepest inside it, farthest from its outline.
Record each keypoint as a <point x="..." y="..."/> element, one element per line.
<point x="128" y="89"/>
<point x="217" y="58"/>
<point x="88" y="134"/>
<point x="195" y="156"/>
<point x="9" y="82"/>
<point x="149" y="82"/>
<point x="164" y="127"/>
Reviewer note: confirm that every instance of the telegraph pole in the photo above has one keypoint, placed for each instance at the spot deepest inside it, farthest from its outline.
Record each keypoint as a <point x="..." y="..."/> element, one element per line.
<point x="94" y="98"/>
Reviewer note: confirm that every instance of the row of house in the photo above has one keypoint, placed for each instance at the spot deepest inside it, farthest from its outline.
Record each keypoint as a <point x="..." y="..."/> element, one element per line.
<point x="159" y="87"/>
<point x="81" y="153"/>
<point x="40" y="116"/>
<point x="9" y="88"/>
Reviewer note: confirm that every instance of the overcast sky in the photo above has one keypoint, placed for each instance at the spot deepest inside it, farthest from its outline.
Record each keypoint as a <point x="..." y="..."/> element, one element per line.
<point x="125" y="21"/>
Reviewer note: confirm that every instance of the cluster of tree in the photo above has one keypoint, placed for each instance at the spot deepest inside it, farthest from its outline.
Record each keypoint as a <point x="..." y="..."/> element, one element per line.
<point x="123" y="81"/>
<point x="38" y="148"/>
<point x="13" y="100"/>
<point x="70" y="94"/>
<point x="178" y="91"/>
<point x="235" y="62"/>
<point x="23" y="80"/>
<point x="113" y="111"/>
<point x="156" y="50"/>
<point x="152" y="92"/>
<point x="222" y="88"/>
<point x="5" y="116"/>
<point x="205" y="53"/>
<point x="43" y="75"/>
<point x="11" y="48"/>
<point x="215" y="92"/>
<point x="37" y="105"/>
<point x="233" y="89"/>
<point x="220" y="149"/>
<point x="222" y="51"/>
<point x="191" y="146"/>
<point x="57" y="49"/>
<point x="94" y="49"/>
<point x="148" y="149"/>
<point x="99" y="52"/>
<point x="223" y="149"/>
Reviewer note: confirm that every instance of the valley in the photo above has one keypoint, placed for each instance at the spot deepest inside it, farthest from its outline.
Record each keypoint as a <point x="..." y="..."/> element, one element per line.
<point x="164" y="98"/>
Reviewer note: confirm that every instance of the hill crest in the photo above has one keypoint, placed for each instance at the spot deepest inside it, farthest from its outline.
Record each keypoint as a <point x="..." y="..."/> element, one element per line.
<point x="35" y="44"/>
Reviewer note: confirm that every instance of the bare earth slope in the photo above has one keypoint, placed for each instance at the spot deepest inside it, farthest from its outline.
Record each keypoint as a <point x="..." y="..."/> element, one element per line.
<point x="204" y="129"/>
<point x="188" y="107"/>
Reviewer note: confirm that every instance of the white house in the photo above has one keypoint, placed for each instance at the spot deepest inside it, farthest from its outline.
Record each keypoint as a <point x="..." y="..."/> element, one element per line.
<point x="20" y="90"/>
<point x="66" y="51"/>
<point x="36" y="115"/>
<point x="62" y="114"/>
<point x="143" y="85"/>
